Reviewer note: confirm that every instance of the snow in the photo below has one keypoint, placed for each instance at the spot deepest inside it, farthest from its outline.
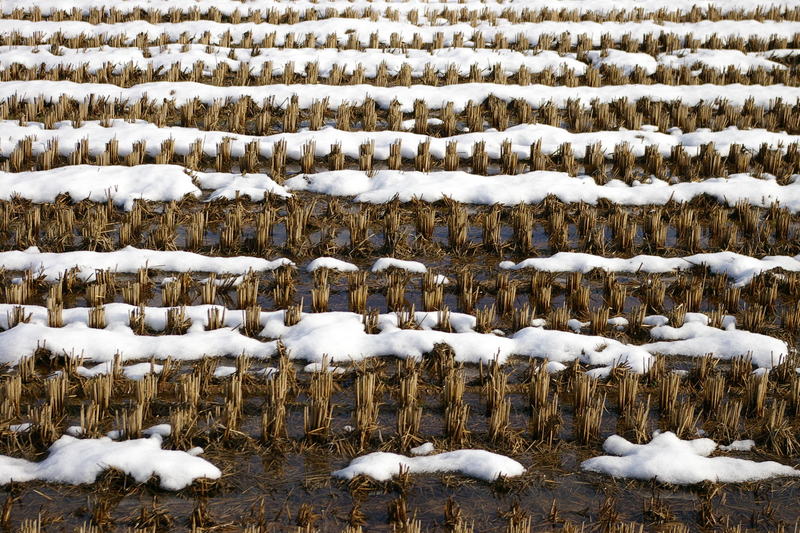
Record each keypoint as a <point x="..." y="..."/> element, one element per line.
<point x="314" y="368"/>
<point x="739" y="446"/>
<point x="129" y="260"/>
<point x="338" y="337"/>
<point x="222" y="372"/>
<point x="326" y="58"/>
<point x="627" y="61"/>
<point x="478" y="464"/>
<point x="331" y="263"/>
<point x="266" y="372"/>
<point x="75" y="431"/>
<point x="363" y="28"/>
<point x="694" y="338"/>
<point x="440" y="60"/>
<point x="564" y="347"/>
<point x="135" y="372"/>
<point x="576" y="325"/>
<point x="124" y="185"/>
<point x="423" y="449"/>
<point x="386" y="263"/>
<point x="227" y="7"/>
<point x="668" y="459"/>
<point x="79" y="461"/>
<point x="228" y="186"/>
<point x="740" y="268"/>
<point x="718" y="59"/>
<point x="103" y="344"/>
<point x="162" y="430"/>
<point x="532" y="187"/>
<point x="224" y="185"/>
<point x="435" y="97"/>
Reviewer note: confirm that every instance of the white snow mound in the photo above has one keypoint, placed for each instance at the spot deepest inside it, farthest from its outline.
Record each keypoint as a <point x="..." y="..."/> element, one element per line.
<point x="78" y="461"/>
<point x="478" y="464"/>
<point x="668" y="459"/>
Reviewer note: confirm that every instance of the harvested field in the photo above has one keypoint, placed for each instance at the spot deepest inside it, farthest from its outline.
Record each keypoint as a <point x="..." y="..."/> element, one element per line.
<point x="399" y="266"/>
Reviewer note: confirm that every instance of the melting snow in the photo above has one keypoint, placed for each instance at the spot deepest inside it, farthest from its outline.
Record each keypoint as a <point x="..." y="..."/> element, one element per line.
<point x="739" y="446"/>
<point x="331" y="263"/>
<point x="385" y="263"/>
<point x="78" y="461"/>
<point x="741" y="268"/>
<point x="668" y="459"/>
<point x="478" y="464"/>
<point x="340" y="337"/>
<point x="423" y="449"/>
<point x="129" y="260"/>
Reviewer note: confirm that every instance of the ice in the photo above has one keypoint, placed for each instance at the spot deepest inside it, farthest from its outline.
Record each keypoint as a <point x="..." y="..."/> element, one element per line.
<point x="478" y="464"/>
<point x="668" y="459"/>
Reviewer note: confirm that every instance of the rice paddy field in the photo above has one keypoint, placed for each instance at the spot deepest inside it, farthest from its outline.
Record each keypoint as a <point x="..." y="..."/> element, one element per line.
<point x="402" y="266"/>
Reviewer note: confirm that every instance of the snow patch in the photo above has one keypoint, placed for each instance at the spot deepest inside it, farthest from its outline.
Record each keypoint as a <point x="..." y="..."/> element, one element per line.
<point x="79" y="461"/>
<point x="227" y="7"/>
<point x="533" y="187"/>
<point x="331" y="263"/>
<point x="423" y="449"/>
<point x="338" y="337"/>
<point x="696" y="339"/>
<point x="385" y="263"/>
<point x="130" y="260"/>
<point x="739" y="446"/>
<point x="668" y="459"/>
<point x="435" y="97"/>
<point x="741" y="268"/>
<point x="478" y="464"/>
